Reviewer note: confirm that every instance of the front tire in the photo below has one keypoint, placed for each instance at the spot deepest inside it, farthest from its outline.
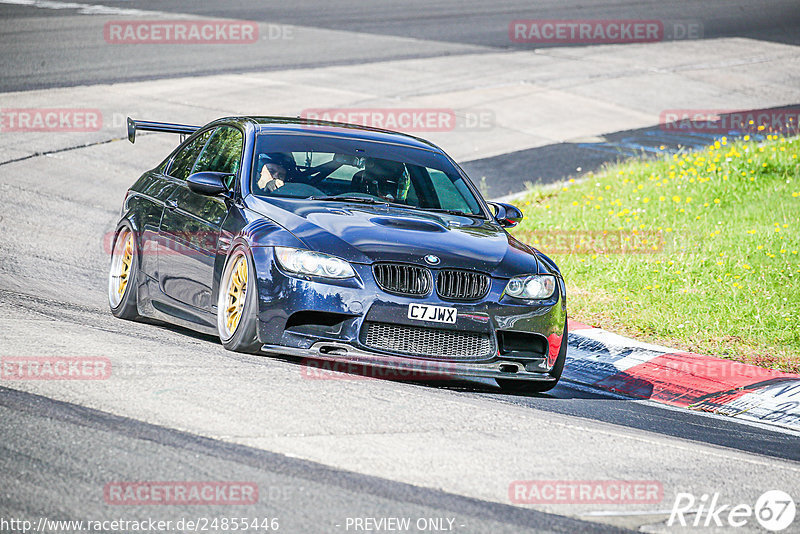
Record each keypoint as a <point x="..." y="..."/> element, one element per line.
<point x="122" y="280"/>
<point x="531" y="386"/>
<point x="237" y="303"/>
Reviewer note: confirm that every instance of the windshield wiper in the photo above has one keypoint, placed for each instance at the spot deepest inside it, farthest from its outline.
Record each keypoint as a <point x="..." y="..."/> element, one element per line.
<point x="370" y="200"/>
<point x="449" y="212"/>
<point x="364" y="200"/>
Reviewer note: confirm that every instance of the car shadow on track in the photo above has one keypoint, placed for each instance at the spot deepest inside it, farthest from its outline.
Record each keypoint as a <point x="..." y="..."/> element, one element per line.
<point x="179" y="330"/>
<point x="568" y="398"/>
<point x="326" y="370"/>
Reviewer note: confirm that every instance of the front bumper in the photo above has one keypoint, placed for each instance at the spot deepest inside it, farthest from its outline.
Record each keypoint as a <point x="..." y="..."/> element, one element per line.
<point x="353" y="303"/>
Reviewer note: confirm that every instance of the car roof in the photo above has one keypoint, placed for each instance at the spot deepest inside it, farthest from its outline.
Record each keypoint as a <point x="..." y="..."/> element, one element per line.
<point x="297" y="126"/>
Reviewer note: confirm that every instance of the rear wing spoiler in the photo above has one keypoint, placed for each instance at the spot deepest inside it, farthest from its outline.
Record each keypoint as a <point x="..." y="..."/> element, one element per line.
<point x="166" y="127"/>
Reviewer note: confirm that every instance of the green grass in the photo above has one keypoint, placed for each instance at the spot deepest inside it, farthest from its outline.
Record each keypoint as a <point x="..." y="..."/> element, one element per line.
<point x="702" y="250"/>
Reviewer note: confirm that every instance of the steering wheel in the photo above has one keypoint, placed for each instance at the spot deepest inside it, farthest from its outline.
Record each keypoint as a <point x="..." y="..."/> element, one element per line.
<point x="315" y="175"/>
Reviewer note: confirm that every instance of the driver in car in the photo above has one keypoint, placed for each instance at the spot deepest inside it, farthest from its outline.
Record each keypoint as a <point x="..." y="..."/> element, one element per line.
<point x="274" y="170"/>
<point x="385" y="179"/>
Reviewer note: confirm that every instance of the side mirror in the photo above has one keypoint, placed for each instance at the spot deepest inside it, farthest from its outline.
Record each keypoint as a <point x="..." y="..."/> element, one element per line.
<point x="506" y="214"/>
<point x="208" y="183"/>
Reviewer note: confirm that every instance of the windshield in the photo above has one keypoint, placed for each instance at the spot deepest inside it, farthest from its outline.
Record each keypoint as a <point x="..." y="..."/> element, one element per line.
<point x="357" y="174"/>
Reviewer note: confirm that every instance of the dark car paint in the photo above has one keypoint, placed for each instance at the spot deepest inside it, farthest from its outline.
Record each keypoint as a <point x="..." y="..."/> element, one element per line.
<point x="184" y="239"/>
<point x="360" y="299"/>
<point x="368" y="233"/>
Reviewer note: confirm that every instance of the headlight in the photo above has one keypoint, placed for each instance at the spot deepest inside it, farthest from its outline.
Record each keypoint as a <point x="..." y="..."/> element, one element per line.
<point x="312" y="263"/>
<point x="534" y="286"/>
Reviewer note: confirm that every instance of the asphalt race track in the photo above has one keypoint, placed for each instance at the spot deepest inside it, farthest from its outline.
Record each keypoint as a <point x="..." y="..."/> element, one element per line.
<point x="325" y="452"/>
<point x="405" y="29"/>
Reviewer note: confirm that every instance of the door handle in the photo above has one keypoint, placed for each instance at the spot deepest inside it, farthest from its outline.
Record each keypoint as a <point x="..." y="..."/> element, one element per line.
<point x="171" y="204"/>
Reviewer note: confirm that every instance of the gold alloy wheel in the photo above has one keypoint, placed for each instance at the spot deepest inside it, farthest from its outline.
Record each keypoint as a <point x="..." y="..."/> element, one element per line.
<point x="125" y="266"/>
<point x="236" y="295"/>
<point x="119" y="276"/>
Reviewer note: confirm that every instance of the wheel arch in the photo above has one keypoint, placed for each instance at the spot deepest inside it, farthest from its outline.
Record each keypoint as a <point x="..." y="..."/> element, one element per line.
<point x="259" y="234"/>
<point x="131" y="220"/>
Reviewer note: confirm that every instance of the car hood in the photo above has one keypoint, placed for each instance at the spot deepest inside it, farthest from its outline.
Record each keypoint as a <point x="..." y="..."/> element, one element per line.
<point x="370" y="233"/>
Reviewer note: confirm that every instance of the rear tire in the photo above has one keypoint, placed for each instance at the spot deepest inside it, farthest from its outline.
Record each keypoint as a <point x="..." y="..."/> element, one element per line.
<point x="122" y="279"/>
<point x="532" y="386"/>
<point x="237" y="303"/>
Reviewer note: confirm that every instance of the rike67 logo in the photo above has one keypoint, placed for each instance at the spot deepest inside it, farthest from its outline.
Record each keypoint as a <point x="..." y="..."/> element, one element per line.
<point x="774" y="510"/>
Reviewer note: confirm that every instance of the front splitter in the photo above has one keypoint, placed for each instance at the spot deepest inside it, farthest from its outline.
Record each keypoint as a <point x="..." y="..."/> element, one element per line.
<point x="342" y="352"/>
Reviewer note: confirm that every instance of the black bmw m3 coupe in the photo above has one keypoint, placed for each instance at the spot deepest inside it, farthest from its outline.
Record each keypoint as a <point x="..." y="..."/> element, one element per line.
<point x="336" y="242"/>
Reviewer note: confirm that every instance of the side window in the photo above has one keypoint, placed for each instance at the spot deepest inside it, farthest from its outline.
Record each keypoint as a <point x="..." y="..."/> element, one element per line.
<point x="223" y="152"/>
<point x="184" y="160"/>
<point x="163" y="166"/>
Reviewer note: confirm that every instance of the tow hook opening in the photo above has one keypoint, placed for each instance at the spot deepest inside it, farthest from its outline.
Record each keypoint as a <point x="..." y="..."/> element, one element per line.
<point x="332" y="350"/>
<point x="508" y="368"/>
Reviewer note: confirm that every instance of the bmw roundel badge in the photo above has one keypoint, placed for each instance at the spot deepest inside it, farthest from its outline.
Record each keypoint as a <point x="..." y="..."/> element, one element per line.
<point x="433" y="260"/>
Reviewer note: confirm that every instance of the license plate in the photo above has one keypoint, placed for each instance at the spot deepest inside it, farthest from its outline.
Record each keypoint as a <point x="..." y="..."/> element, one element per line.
<point x="436" y="314"/>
